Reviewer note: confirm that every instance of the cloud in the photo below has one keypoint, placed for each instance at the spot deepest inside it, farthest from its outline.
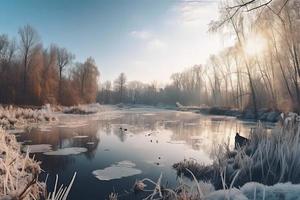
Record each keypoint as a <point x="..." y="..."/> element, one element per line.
<point x="156" y="44"/>
<point x="152" y="42"/>
<point x="196" y="13"/>
<point x="144" y="35"/>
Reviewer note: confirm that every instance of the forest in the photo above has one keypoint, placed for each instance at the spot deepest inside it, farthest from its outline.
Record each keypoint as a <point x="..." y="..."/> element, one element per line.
<point x="260" y="70"/>
<point x="35" y="75"/>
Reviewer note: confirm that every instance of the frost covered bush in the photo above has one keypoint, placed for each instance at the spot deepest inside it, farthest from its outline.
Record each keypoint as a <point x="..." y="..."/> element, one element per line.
<point x="12" y="117"/>
<point x="83" y="109"/>
<point x="201" y="171"/>
<point x="18" y="173"/>
<point x="270" y="157"/>
<point x="199" y="190"/>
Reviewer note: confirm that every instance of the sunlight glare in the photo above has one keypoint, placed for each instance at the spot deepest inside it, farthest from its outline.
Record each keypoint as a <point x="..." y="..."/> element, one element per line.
<point x="255" y="45"/>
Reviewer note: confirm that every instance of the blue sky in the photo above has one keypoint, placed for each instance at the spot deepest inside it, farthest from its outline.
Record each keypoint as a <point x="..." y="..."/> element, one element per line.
<point x="146" y="39"/>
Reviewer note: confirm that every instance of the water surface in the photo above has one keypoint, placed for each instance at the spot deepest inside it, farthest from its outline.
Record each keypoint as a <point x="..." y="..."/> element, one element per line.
<point x="155" y="139"/>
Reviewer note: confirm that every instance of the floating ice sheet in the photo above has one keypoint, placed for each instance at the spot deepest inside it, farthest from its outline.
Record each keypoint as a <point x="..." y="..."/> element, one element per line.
<point x="37" y="148"/>
<point x="66" y="151"/>
<point x="116" y="171"/>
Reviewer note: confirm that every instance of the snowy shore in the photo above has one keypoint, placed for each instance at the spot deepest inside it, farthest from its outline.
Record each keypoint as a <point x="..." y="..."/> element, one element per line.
<point x="266" y="115"/>
<point x="18" y="172"/>
<point x="266" y="167"/>
<point x="83" y="109"/>
<point x="16" y="117"/>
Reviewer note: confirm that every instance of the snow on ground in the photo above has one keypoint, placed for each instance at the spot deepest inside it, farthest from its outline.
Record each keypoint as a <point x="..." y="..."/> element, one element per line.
<point x="253" y="190"/>
<point x="116" y="171"/>
<point x="206" y="191"/>
<point x="16" y="117"/>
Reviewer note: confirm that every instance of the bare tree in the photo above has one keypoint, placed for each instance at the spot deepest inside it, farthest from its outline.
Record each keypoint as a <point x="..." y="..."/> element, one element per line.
<point x="28" y="41"/>
<point x="119" y="84"/>
<point x="64" y="58"/>
<point x="106" y="91"/>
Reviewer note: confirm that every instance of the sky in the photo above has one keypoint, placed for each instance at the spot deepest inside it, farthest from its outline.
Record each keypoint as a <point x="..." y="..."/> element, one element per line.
<point x="146" y="39"/>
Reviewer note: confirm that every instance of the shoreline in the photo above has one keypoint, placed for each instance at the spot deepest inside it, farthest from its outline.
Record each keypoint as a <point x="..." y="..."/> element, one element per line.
<point x="19" y="176"/>
<point x="265" y="115"/>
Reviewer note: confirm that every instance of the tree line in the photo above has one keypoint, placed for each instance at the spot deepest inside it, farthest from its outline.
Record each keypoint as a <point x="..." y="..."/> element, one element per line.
<point x="234" y="77"/>
<point x="32" y="74"/>
<point x="185" y="87"/>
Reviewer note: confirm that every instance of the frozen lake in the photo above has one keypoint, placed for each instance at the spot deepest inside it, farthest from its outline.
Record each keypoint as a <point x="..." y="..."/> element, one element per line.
<point x="112" y="149"/>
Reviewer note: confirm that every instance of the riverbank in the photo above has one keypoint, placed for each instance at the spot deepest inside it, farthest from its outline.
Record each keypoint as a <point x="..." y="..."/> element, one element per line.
<point x="20" y="117"/>
<point x="268" y="158"/>
<point x="19" y="173"/>
<point x="12" y="117"/>
<point x="266" y="115"/>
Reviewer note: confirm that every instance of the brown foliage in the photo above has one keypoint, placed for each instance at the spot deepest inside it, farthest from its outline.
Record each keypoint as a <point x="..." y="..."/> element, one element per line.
<point x="33" y="75"/>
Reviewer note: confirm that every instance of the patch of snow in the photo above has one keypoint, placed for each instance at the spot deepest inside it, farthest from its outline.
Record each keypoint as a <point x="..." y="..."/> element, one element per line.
<point x="287" y="191"/>
<point x="116" y="171"/>
<point x="254" y="190"/>
<point x="233" y="194"/>
<point x="66" y="151"/>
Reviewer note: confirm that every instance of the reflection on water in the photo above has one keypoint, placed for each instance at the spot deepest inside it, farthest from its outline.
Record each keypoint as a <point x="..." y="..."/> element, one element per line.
<point x="152" y="140"/>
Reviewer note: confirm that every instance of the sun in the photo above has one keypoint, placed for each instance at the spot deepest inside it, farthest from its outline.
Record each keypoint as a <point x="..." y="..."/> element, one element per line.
<point x="255" y="45"/>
